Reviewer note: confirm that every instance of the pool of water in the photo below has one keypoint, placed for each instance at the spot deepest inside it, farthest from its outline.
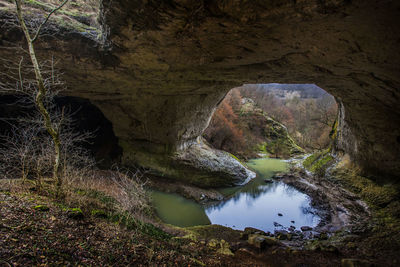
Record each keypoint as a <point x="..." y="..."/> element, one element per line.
<point x="265" y="206"/>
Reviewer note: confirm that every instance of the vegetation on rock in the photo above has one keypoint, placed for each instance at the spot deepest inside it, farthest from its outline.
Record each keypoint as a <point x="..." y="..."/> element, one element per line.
<point x="319" y="161"/>
<point x="242" y="128"/>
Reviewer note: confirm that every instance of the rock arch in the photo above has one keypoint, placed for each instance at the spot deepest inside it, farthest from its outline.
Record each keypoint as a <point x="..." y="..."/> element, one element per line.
<point x="165" y="65"/>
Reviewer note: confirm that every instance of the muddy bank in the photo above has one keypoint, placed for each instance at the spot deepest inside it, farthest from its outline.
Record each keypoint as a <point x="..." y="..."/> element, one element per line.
<point x="344" y="216"/>
<point x="338" y="208"/>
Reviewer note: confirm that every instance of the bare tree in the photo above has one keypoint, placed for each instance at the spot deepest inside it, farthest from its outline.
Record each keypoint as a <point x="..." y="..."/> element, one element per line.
<point x="52" y="128"/>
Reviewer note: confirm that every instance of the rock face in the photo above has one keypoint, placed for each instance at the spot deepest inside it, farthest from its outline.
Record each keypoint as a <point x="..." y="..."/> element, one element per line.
<point x="158" y="69"/>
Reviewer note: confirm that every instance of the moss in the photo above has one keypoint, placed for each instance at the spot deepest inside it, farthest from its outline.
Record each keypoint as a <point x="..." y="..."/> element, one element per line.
<point x="319" y="161"/>
<point x="99" y="213"/>
<point x="378" y="195"/>
<point x="48" y="7"/>
<point x="154" y="231"/>
<point x="322" y="163"/>
<point x="236" y="158"/>
<point x="383" y="200"/>
<point x="307" y="163"/>
<point x="41" y="207"/>
<point x="75" y="213"/>
<point x="333" y="132"/>
<point x="102" y="197"/>
<point x="131" y="223"/>
<point x="213" y="231"/>
<point x="75" y="25"/>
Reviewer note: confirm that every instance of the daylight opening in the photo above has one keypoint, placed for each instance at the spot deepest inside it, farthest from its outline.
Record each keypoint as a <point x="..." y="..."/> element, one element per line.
<point x="273" y="120"/>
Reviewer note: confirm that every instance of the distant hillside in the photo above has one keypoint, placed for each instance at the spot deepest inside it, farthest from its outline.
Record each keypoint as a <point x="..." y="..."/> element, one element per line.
<point x="240" y="127"/>
<point x="289" y="90"/>
<point x="308" y="119"/>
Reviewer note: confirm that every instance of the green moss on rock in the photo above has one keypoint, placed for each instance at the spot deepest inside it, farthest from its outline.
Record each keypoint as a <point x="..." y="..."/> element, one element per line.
<point x="41" y="208"/>
<point x="99" y="213"/>
<point x="319" y="162"/>
<point x="75" y="213"/>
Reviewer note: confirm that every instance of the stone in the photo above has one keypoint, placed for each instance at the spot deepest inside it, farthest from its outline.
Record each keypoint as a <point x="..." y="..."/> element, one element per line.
<point x="99" y="214"/>
<point x="323" y="236"/>
<point x="262" y="241"/>
<point x="282" y="234"/>
<point x="204" y="166"/>
<point x="75" y="213"/>
<point x="251" y="230"/>
<point x="224" y="248"/>
<point x="41" y="207"/>
<point x="212" y="243"/>
<point x="305" y="228"/>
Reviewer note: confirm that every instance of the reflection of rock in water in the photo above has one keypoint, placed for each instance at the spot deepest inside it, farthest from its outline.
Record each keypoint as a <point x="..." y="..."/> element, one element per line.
<point x="250" y="192"/>
<point x="308" y="210"/>
<point x="257" y="204"/>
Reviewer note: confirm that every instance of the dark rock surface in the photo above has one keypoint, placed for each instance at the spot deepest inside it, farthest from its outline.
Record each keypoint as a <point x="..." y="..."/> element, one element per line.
<point x="159" y="68"/>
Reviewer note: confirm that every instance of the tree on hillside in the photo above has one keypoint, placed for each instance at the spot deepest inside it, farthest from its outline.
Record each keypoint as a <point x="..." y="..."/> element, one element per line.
<point x="41" y="90"/>
<point x="223" y="132"/>
<point x="52" y="127"/>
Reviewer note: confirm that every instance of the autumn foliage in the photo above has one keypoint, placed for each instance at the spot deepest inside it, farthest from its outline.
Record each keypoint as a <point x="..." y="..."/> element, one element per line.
<point x="224" y="132"/>
<point x="308" y="119"/>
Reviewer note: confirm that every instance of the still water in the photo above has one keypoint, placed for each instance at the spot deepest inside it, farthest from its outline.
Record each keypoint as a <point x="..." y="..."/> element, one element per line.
<point x="256" y="204"/>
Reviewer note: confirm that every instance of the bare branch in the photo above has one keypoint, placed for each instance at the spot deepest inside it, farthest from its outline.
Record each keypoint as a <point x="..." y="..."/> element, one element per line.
<point x="46" y="19"/>
<point x="19" y="72"/>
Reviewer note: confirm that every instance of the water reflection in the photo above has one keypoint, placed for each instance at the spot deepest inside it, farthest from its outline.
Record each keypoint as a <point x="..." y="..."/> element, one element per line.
<point x="261" y="211"/>
<point x="177" y="210"/>
<point x="256" y="204"/>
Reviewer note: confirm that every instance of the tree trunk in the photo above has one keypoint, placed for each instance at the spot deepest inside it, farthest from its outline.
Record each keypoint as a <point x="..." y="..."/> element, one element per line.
<point x="54" y="133"/>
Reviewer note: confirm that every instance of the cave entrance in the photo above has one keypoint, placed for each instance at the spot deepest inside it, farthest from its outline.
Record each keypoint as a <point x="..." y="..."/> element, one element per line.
<point x="278" y="120"/>
<point x="86" y="117"/>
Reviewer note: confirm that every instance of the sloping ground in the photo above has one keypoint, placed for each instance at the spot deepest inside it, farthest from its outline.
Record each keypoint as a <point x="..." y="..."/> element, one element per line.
<point x="245" y="130"/>
<point x="88" y="230"/>
<point x="30" y="236"/>
<point x="37" y="230"/>
<point x="49" y="235"/>
<point x="275" y="138"/>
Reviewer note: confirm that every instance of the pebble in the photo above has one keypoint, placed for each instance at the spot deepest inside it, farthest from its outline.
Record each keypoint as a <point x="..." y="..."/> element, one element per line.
<point x="305" y="228"/>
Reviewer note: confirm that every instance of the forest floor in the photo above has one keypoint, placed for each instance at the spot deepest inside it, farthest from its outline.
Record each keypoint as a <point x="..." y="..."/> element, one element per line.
<point x="37" y="230"/>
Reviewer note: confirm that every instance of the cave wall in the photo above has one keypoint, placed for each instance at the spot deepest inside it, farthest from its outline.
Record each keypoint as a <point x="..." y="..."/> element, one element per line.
<point x="166" y="64"/>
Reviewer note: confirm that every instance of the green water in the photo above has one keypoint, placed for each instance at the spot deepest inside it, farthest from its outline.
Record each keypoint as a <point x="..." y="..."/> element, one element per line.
<point x="177" y="210"/>
<point x="255" y="204"/>
<point x="265" y="169"/>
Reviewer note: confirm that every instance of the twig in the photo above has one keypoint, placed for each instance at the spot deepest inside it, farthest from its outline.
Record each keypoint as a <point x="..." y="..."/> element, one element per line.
<point x="19" y="72"/>
<point x="5" y="263"/>
<point x="47" y="18"/>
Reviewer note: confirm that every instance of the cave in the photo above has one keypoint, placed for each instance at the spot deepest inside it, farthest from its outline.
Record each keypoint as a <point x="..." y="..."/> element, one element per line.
<point x="147" y="76"/>
<point x="158" y="76"/>
<point x="85" y="117"/>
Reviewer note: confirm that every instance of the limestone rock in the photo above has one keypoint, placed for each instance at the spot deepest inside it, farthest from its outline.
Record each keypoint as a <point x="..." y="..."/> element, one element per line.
<point x="262" y="241"/>
<point x="157" y="69"/>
